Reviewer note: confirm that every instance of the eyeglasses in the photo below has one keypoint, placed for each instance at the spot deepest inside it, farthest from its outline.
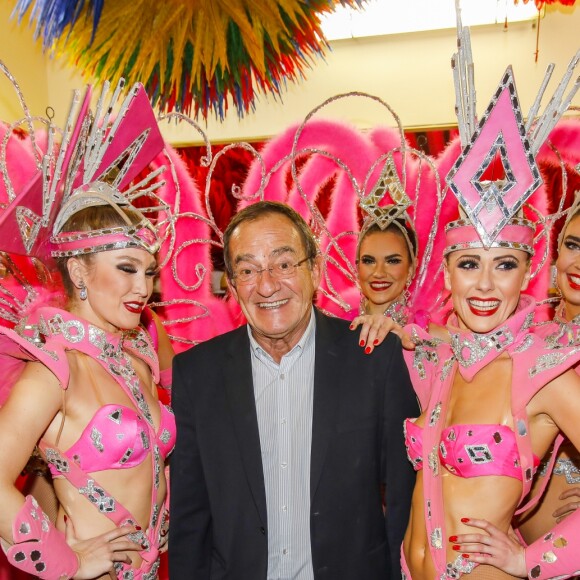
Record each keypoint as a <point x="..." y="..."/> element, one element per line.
<point x="279" y="270"/>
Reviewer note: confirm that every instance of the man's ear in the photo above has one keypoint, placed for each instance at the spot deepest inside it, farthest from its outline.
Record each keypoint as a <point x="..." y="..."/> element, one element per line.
<point x="232" y="288"/>
<point x="316" y="272"/>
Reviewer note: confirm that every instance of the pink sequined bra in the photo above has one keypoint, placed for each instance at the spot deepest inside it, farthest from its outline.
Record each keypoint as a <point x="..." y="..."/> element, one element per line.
<point x="470" y="450"/>
<point x="116" y="437"/>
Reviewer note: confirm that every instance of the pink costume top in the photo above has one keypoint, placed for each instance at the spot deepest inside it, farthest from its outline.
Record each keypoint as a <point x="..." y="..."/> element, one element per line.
<point x="470" y="450"/>
<point x="117" y="436"/>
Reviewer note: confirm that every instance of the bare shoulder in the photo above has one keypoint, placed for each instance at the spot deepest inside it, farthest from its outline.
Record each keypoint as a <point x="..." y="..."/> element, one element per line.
<point x="559" y="400"/>
<point x="37" y="392"/>
<point x="37" y="375"/>
<point x="565" y="387"/>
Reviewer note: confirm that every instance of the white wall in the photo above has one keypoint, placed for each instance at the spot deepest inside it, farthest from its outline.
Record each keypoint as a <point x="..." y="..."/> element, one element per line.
<point x="26" y="63"/>
<point x="409" y="71"/>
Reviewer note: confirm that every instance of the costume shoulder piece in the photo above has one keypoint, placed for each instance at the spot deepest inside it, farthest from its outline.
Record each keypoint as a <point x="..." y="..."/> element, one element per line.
<point x="47" y="333"/>
<point x="538" y="361"/>
<point x="430" y="359"/>
<point x="27" y="342"/>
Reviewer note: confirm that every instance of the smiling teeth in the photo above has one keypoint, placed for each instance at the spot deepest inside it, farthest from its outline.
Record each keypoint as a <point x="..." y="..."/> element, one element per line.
<point x="272" y="304"/>
<point x="484" y="304"/>
<point x="574" y="279"/>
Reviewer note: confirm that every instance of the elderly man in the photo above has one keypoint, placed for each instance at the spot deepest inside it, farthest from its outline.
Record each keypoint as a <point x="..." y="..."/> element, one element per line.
<point x="288" y="433"/>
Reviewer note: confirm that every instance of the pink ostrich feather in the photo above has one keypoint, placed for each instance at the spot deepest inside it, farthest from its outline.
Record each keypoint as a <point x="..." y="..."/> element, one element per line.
<point x="190" y="311"/>
<point x="20" y="161"/>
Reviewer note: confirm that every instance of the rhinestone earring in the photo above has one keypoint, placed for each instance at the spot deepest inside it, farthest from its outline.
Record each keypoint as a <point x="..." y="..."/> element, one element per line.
<point x="83" y="292"/>
<point x="406" y="293"/>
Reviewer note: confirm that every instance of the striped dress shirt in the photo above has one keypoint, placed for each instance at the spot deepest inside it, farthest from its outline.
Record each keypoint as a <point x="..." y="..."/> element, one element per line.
<point x="284" y="402"/>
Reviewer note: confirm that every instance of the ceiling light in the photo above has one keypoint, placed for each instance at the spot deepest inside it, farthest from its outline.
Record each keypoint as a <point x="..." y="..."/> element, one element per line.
<point x="380" y="17"/>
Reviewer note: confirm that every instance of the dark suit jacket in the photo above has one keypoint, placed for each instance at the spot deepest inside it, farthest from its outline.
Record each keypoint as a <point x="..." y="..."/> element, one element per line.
<point x="218" y="504"/>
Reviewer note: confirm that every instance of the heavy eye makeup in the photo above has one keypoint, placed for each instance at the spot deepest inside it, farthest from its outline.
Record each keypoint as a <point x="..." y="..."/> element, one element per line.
<point x="508" y="264"/>
<point x="370" y="260"/>
<point x="467" y="263"/>
<point x="394" y="260"/>
<point x="572" y="243"/>
<point x="367" y="260"/>
<point x="131" y="268"/>
<point x="501" y="263"/>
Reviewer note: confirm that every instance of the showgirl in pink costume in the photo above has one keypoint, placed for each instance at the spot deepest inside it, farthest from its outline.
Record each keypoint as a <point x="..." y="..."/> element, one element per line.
<point x="562" y="482"/>
<point x="495" y="396"/>
<point x="82" y="378"/>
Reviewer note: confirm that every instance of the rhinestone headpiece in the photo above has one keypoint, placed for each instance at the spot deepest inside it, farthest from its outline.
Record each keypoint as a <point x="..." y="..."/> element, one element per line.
<point x="492" y="204"/>
<point x="496" y="172"/>
<point x="96" y="154"/>
<point x="389" y="185"/>
<point x="387" y="215"/>
<point x="67" y="244"/>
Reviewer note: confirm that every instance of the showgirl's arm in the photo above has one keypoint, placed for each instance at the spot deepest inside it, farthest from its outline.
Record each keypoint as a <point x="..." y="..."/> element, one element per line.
<point x="29" y="539"/>
<point x="162" y="344"/>
<point x="165" y="353"/>
<point x="572" y="494"/>
<point x="32" y="405"/>
<point x="164" y="347"/>
<point x="556" y="554"/>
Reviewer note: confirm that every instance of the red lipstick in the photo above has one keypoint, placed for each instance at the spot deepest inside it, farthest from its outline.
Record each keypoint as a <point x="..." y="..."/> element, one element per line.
<point x="573" y="285"/>
<point x="484" y="306"/>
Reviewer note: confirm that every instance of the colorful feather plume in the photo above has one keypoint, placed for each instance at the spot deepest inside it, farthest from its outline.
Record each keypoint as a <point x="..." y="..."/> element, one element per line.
<point x="193" y="56"/>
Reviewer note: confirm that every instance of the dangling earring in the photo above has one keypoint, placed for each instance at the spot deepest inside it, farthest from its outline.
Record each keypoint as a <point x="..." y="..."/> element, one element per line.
<point x="555" y="288"/>
<point x="83" y="292"/>
<point x="406" y="294"/>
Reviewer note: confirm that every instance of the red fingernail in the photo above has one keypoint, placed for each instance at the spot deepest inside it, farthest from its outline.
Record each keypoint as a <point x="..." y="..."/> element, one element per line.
<point x="351" y="326"/>
<point x="361" y="343"/>
<point x="139" y="528"/>
<point x="65" y="518"/>
<point x="464" y="520"/>
<point x="368" y="350"/>
<point x="456" y="548"/>
<point x="453" y="538"/>
<point x="465" y="555"/>
<point x="376" y="341"/>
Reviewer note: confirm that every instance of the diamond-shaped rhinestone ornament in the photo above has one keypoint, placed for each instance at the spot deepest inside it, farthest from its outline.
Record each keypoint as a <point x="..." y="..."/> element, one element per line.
<point x="501" y="133"/>
<point x="390" y="183"/>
